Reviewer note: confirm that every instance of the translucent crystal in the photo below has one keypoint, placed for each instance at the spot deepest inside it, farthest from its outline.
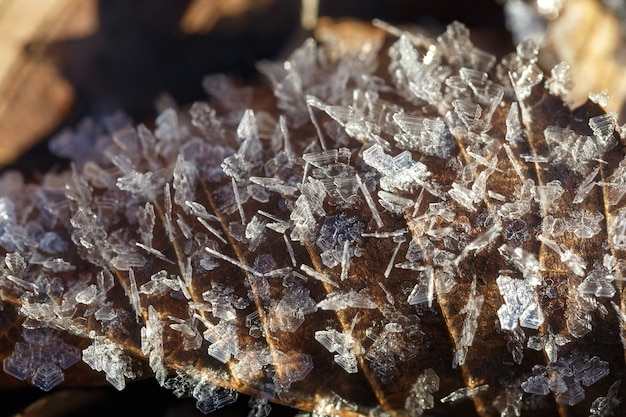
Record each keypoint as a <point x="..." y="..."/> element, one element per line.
<point x="568" y="257"/>
<point x="602" y="98"/>
<point x="185" y="178"/>
<point x="104" y="355"/>
<point x="464" y="394"/>
<point x="470" y="324"/>
<point x="399" y="172"/>
<point x="537" y="384"/>
<point x="88" y="295"/>
<point x="585" y="186"/>
<point x="560" y="82"/>
<point x="603" y="128"/>
<point x="520" y="306"/>
<point x="413" y="76"/>
<point x="514" y="130"/>
<point x="617" y="229"/>
<point x="143" y="185"/>
<point x="210" y="397"/>
<point x="599" y="283"/>
<point x="343" y="345"/>
<point x="423" y="291"/>
<point x="606" y="406"/>
<point x="41" y="357"/>
<point x="152" y="343"/>
<point x="420" y="397"/>
<point x="58" y="265"/>
<point x="530" y="76"/>
<point x="429" y="136"/>
<point x="340" y="301"/>
<point x="565" y="377"/>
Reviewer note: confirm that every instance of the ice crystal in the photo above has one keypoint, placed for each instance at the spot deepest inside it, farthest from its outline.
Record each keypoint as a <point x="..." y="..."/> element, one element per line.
<point x="421" y="395"/>
<point x="343" y="345"/>
<point x="42" y="357"/>
<point x="104" y="355"/>
<point x="566" y="378"/>
<point x="471" y="311"/>
<point x="463" y="394"/>
<point x="365" y="218"/>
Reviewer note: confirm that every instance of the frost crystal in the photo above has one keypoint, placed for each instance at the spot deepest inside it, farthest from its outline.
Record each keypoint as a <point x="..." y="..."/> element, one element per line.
<point x="560" y="82"/>
<point x="424" y="191"/>
<point x="152" y="343"/>
<point x="463" y="394"/>
<point x="606" y="406"/>
<point x="343" y="345"/>
<point x="421" y="396"/>
<point x="109" y="357"/>
<point x="42" y="357"/>
<point x="340" y="301"/>
<point x="471" y="311"/>
<point x="210" y="397"/>
<point x="520" y="306"/>
<point x="566" y="378"/>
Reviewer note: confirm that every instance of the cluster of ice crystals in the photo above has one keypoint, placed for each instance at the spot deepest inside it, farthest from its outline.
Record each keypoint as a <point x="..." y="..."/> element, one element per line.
<point x="606" y="406"/>
<point x="42" y="357"/>
<point x="288" y="313"/>
<point x="416" y="76"/>
<point x="152" y="343"/>
<point x="566" y="378"/>
<point x="236" y="238"/>
<point x="210" y="396"/>
<point x="108" y="357"/>
<point x="337" y="232"/>
<point x="421" y="396"/>
<point x="224" y="303"/>
<point x="343" y="345"/>
<point x="390" y="348"/>
<point x="560" y="82"/>
<point x="599" y="282"/>
<point x="549" y="342"/>
<point x="520" y="305"/>
<point x="428" y="136"/>
<point x="223" y="339"/>
<point x="571" y="148"/>
<point x="398" y="172"/>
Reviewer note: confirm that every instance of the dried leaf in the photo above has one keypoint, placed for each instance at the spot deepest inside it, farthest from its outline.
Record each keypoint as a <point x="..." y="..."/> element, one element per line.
<point x="381" y="230"/>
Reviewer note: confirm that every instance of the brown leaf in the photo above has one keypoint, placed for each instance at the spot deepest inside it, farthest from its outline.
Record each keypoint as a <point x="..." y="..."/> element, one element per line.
<point x="374" y="219"/>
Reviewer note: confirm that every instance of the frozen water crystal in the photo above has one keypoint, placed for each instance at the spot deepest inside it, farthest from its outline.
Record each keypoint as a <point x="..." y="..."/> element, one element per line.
<point x="470" y="324"/>
<point x="566" y="377"/>
<point x="606" y="406"/>
<point x="104" y="355"/>
<point x="340" y="301"/>
<point x="210" y="397"/>
<point x="421" y="395"/>
<point x="246" y="239"/>
<point x="463" y="394"/>
<point x="343" y="345"/>
<point x="520" y="306"/>
<point x="560" y="82"/>
<point x="41" y="357"/>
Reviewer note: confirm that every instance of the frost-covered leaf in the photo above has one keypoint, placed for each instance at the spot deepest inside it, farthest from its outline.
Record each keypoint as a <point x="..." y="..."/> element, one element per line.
<point x="413" y="211"/>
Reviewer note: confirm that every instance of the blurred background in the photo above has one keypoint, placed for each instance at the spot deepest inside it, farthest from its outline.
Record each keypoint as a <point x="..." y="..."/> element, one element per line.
<point x="63" y="60"/>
